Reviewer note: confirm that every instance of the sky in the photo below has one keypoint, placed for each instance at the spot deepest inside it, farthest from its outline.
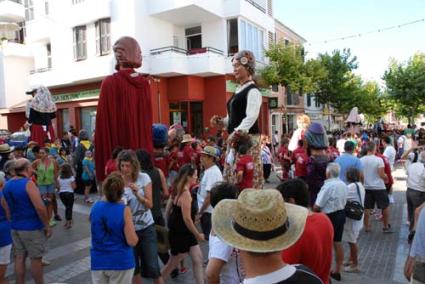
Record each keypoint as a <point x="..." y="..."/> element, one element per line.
<point x="320" y="20"/>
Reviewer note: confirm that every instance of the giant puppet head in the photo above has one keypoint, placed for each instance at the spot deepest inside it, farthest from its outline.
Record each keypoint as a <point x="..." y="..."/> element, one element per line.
<point x="127" y="53"/>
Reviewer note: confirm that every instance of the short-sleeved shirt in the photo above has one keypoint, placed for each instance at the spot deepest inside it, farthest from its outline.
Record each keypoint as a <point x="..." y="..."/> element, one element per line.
<point x="142" y="216"/>
<point x="89" y="163"/>
<point x="416" y="176"/>
<point x="246" y="165"/>
<point x="66" y="184"/>
<point x="211" y="176"/>
<point x="314" y="248"/>
<point x="230" y="273"/>
<point x="371" y="165"/>
<point x="346" y="161"/>
<point x="390" y="153"/>
<point x="289" y="274"/>
<point x="332" y="196"/>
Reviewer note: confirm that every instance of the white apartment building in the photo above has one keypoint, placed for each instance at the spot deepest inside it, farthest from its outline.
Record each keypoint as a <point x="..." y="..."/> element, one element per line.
<point x="16" y="60"/>
<point x="186" y="45"/>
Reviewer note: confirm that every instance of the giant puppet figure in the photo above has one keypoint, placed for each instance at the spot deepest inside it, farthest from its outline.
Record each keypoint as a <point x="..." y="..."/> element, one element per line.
<point x="124" y="112"/>
<point x="353" y="121"/>
<point x="40" y="111"/>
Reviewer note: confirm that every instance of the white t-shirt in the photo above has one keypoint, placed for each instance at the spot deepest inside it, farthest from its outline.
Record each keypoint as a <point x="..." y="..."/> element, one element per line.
<point x="65" y="184"/>
<point x="390" y="153"/>
<point x="354" y="196"/>
<point x="211" y="176"/>
<point x="340" y="145"/>
<point x="142" y="216"/>
<point x="416" y="176"/>
<point x="230" y="273"/>
<point x="371" y="165"/>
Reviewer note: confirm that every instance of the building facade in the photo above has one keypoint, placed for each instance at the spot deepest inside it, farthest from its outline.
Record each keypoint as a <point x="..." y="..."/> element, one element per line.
<point x="186" y="45"/>
<point x="288" y="104"/>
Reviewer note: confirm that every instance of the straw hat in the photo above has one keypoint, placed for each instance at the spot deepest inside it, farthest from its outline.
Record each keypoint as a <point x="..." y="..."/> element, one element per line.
<point x="5" y="148"/>
<point x="259" y="221"/>
<point x="187" y="138"/>
<point x="210" y="151"/>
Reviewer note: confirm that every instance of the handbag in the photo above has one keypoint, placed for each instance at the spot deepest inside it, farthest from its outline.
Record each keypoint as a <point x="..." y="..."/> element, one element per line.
<point x="354" y="209"/>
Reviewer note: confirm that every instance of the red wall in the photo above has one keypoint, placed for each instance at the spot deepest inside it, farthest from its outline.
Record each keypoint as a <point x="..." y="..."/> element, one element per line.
<point x="186" y="88"/>
<point x="15" y="121"/>
<point x="163" y="101"/>
<point x="215" y="100"/>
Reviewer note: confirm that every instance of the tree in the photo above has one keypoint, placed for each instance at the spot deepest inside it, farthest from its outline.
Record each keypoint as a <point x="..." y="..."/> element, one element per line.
<point x="339" y="85"/>
<point x="288" y="68"/>
<point x="371" y="101"/>
<point x="405" y="84"/>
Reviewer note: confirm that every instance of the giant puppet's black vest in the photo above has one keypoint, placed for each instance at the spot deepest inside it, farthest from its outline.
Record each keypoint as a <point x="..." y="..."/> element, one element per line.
<point x="236" y="108"/>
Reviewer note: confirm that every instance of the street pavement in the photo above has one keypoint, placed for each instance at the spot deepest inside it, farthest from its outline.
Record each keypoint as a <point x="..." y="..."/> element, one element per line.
<point x="381" y="256"/>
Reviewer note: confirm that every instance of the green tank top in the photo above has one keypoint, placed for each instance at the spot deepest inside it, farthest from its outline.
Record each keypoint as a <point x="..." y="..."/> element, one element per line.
<point x="45" y="176"/>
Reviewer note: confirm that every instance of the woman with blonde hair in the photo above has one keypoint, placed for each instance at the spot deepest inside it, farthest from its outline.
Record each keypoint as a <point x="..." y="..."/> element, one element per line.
<point x="183" y="234"/>
<point x="303" y="121"/>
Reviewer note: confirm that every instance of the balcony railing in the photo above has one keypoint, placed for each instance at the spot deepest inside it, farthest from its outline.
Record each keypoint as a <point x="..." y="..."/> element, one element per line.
<point x="256" y="5"/>
<point x="40" y="70"/>
<point x="192" y="51"/>
<point x="16" y="1"/>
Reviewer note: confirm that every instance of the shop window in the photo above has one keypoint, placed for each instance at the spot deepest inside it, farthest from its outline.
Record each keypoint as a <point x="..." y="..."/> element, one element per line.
<point x="65" y="120"/>
<point x="88" y="119"/>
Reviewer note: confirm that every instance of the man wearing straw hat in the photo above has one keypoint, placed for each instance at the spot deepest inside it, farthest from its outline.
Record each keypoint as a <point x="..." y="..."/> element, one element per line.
<point x="260" y="224"/>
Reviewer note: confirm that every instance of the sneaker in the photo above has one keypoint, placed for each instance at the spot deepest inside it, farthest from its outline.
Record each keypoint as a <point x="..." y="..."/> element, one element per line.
<point x="391" y="198"/>
<point x="183" y="270"/>
<point x="352" y="269"/>
<point x="52" y="223"/>
<point x="387" y="230"/>
<point x="45" y="262"/>
<point x="58" y="218"/>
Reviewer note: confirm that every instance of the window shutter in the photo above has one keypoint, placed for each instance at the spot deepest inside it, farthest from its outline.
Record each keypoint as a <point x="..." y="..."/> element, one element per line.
<point x="74" y="37"/>
<point x="98" y="42"/>
<point x="270" y="7"/>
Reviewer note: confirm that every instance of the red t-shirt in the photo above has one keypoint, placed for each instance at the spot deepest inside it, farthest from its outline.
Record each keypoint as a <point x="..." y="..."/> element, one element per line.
<point x="111" y="166"/>
<point x="161" y="163"/>
<point x="314" y="248"/>
<point x="186" y="155"/>
<point x="387" y="170"/>
<point x="173" y="160"/>
<point x="246" y="164"/>
<point x="300" y="160"/>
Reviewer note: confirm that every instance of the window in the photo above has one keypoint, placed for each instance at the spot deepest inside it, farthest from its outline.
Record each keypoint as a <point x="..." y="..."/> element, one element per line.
<point x="77" y="1"/>
<point x="232" y="36"/>
<point x="275" y="88"/>
<point x="290" y="122"/>
<point x="252" y="38"/>
<point x="49" y="55"/>
<point x="88" y="119"/>
<point x="292" y="99"/>
<point x="46" y="7"/>
<point x="29" y="10"/>
<point x="317" y="102"/>
<point x="80" y="45"/>
<point x="194" y="37"/>
<point x="286" y="42"/>
<point x="103" y="36"/>
<point x="308" y="100"/>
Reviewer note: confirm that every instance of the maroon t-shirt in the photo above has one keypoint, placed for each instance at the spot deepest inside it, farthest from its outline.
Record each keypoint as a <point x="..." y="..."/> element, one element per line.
<point x="300" y="159"/>
<point x="246" y="164"/>
<point x="314" y="248"/>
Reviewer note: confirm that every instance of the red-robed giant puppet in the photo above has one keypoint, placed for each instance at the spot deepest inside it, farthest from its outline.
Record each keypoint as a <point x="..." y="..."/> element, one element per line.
<point x="124" y="112"/>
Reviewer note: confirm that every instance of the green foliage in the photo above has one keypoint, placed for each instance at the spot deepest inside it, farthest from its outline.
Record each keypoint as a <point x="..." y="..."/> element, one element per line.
<point x="288" y="68"/>
<point x="405" y="84"/>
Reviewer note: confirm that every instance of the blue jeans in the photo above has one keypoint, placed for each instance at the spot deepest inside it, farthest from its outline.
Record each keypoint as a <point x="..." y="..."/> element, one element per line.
<point x="146" y="253"/>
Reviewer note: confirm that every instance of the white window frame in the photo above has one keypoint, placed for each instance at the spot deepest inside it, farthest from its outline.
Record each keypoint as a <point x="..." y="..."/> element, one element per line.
<point x="251" y="37"/>
<point x="80" y="42"/>
<point x="103" y="36"/>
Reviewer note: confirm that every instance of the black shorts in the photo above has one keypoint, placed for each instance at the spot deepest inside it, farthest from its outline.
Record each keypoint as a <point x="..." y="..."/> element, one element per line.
<point x="380" y="197"/>
<point x="181" y="242"/>
<point x="338" y="220"/>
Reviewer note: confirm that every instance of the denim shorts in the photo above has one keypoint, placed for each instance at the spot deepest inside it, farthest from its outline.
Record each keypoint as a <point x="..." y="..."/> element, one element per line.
<point x="146" y="254"/>
<point x="47" y="188"/>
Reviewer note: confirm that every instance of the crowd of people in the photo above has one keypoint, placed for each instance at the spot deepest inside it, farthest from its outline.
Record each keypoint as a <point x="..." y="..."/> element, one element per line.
<point x="159" y="206"/>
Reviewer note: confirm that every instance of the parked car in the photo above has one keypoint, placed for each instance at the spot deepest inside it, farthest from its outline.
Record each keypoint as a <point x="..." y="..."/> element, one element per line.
<point x="18" y="139"/>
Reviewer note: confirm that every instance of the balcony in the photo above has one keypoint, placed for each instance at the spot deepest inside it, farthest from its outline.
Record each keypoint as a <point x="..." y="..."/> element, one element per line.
<point x="172" y="61"/>
<point x="38" y="29"/>
<point x="12" y="11"/>
<point x="88" y="11"/>
<point x="185" y="12"/>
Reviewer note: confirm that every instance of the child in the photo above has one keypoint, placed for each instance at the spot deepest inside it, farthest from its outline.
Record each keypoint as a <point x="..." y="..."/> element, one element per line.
<point x="62" y="158"/>
<point x="284" y="159"/>
<point x="66" y="189"/>
<point x="88" y="175"/>
<point x="244" y="167"/>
